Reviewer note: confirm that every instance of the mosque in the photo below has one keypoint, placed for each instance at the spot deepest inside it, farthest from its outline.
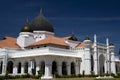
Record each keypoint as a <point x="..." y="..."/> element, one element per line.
<point x="37" y="49"/>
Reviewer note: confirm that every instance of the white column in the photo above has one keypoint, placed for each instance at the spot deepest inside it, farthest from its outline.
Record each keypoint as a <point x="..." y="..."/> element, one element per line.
<point x="95" y="55"/>
<point x="113" y="70"/>
<point x="77" y="69"/>
<point x="37" y="67"/>
<point x="22" y="67"/>
<point x="14" y="68"/>
<point x="60" y="68"/>
<point x="87" y="61"/>
<point x="48" y="69"/>
<point x="4" y="66"/>
<point x="68" y="68"/>
<point x="30" y="67"/>
<point x="107" y="55"/>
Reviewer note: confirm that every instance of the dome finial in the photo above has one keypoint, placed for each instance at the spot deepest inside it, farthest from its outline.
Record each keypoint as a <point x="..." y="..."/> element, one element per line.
<point x="27" y="21"/>
<point x="41" y="13"/>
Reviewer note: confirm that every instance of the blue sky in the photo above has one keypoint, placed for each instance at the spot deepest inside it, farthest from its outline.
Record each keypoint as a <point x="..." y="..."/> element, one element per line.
<point x="83" y="17"/>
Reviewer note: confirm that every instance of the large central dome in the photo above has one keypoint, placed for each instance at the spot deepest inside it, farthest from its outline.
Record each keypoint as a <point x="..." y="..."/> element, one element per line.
<point x="40" y="23"/>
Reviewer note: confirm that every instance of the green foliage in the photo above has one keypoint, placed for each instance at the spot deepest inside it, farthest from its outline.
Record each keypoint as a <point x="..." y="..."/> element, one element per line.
<point x="83" y="73"/>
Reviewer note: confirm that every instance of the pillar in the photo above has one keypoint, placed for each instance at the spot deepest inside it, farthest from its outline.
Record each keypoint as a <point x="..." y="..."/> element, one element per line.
<point x="48" y="69"/>
<point x="14" y="68"/>
<point x="22" y="67"/>
<point x="68" y="68"/>
<point x="113" y="70"/>
<point x="87" y="53"/>
<point x="77" y="69"/>
<point x="37" y="67"/>
<point x="60" y="68"/>
<point x="107" y="57"/>
<point x="95" y="56"/>
<point x="30" y="67"/>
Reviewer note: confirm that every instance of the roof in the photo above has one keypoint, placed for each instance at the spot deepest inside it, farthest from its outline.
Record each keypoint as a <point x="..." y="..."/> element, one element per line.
<point x="80" y="45"/>
<point x="51" y="40"/>
<point x="9" y="42"/>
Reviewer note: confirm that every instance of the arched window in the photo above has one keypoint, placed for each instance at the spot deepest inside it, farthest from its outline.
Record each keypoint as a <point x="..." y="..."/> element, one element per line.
<point x="10" y="67"/>
<point x="92" y="63"/>
<point x="42" y="67"/>
<point x="1" y="65"/>
<point x="64" y="68"/>
<point x="54" y="67"/>
<point x="26" y="67"/>
<point x="72" y="68"/>
<point x="19" y="67"/>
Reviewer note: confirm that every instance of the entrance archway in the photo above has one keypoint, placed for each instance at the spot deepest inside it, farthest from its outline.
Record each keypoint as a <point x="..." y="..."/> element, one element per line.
<point x="42" y="67"/>
<point x="1" y="65"/>
<point x="64" y="68"/>
<point x="92" y="63"/>
<point x="19" y="67"/>
<point x="72" y="68"/>
<point x="101" y="64"/>
<point x="26" y="67"/>
<point x="10" y="67"/>
<point x="54" y="67"/>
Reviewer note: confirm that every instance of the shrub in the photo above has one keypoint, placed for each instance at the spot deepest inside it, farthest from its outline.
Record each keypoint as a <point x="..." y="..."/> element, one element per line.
<point x="83" y="73"/>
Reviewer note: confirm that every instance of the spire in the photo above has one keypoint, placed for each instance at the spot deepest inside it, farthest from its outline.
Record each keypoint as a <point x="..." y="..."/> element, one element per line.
<point x="41" y="13"/>
<point x="95" y="38"/>
<point x="27" y="21"/>
<point x="107" y="42"/>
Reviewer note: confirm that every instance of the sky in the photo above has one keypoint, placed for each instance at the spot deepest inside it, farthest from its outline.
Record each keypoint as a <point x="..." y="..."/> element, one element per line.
<point x="81" y="17"/>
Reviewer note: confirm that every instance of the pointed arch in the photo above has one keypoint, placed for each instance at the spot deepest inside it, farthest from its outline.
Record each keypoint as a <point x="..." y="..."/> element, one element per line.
<point x="1" y="66"/>
<point x="101" y="64"/>
<point x="10" y="67"/>
<point x="54" y="67"/>
<point x="19" y="68"/>
<point x="26" y="67"/>
<point x="92" y="63"/>
<point x="72" y="68"/>
<point x="42" y="67"/>
<point x="64" y="68"/>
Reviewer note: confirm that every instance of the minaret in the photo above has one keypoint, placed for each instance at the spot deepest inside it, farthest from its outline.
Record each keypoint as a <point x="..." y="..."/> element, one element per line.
<point x="87" y="58"/>
<point x="107" y="57"/>
<point x="112" y="58"/>
<point x="95" y="55"/>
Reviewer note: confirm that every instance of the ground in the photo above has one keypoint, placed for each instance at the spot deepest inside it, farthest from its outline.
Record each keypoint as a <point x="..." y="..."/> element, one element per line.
<point x="69" y="79"/>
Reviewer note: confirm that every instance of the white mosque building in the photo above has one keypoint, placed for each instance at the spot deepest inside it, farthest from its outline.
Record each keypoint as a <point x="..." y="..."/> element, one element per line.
<point x="38" y="49"/>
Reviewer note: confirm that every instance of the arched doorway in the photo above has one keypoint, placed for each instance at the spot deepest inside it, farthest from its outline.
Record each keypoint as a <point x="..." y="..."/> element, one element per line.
<point x="1" y="65"/>
<point x="10" y="67"/>
<point x="42" y="67"/>
<point x="72" y="68"/>
<point x="101" y="64"/>
<point x="64" y="68"/>
<point x="54" y="67"/>
<point x="26" y="67"/>
<point x="19" y="67"/>
<point x="92" y="63"/>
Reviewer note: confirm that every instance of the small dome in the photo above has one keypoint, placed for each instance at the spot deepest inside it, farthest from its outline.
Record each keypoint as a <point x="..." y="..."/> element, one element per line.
<point x="73" y="38"/>
<point x="111" y="44"/>
<point x="40" y="23"/>
<point x="26" y="28"/>
<point x="87" y="38"/>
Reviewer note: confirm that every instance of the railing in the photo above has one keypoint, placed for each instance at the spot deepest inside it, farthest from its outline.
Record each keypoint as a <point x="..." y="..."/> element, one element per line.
<point x="42" y="51"/>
